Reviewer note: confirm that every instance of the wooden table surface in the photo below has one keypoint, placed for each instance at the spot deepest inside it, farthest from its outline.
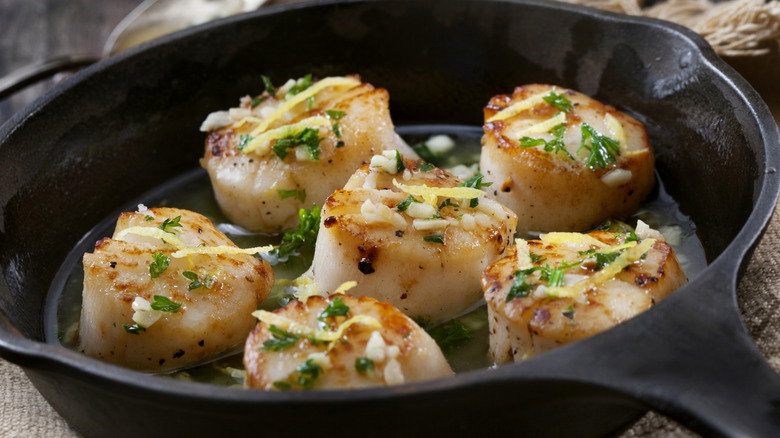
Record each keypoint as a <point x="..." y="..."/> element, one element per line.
<point x="36" y="30"/>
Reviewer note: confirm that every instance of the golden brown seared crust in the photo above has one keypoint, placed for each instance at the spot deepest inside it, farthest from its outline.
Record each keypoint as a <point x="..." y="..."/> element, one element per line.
<point x="430" y="273"/>
<point x="551" y="191"/>
<point x="212" y="319"/>
<point x="416" y="355"/>
<point x="526" y="325"/>
<point x="248" y="185"/>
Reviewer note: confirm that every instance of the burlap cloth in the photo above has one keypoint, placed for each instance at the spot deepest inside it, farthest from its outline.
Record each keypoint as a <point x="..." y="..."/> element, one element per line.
<point x="24" y="412"/>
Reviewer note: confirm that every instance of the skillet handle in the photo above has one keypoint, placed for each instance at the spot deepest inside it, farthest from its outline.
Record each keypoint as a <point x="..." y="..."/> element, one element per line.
<point x="696" y="364"/>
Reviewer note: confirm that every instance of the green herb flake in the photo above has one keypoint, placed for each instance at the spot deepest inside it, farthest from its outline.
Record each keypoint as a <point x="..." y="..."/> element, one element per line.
<point x="269" y="87"/>
<point x="521" y="286"/>
<point x="603" y="150"/>
<point x="553" y="146"/>
<point x="569" y="312"/>
<point x="605" y="259"/>
<point x="164" y="304"/>
<point x="426" y="167"/>
<point x="148" y="218"/>
<point x="399" y="163"/>
<point x="243" y="141"/>
<point x="159" y="265"/>
<point x="475" y="182"/>
<point x="335" y="114"/>
<point x="435" y="238"/>
<point x="425" y="153"/>
<point x="257" y="101"/>
<point x="306" y="234"/>
<point x="170" y="223"/>
<point x="281" y="340"/>
<point x="536" y="258"/>
<point x="336" y="128"/>
<point x="134" y="329"/>
<point x="632" y="237"/>
<point x="304" y="377"/>
<point x="403" y="205"/>
<point x="308" y="137"/>
<point x="300" y="85"/>
<point x="450" y="334"/>
<point x="364" y="365"/>
<point x="559" y="101"/>
<point x="335" y="308"/>
<point x="298" y="194"/>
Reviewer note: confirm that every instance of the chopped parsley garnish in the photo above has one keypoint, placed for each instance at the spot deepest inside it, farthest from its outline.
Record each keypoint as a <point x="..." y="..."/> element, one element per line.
<point x="308" y="137"/>
<point x="281" y="340"/>
<point x="426" y="167"/>
<point x="364" y="365"/>
<point x="243" y="140"/>
<point x="302" y="84"/>
<point x="475" y="182"/>
<point x="569" y="312"/>
<point x="553" y="276"/>
<point x="148" y="218"/>
<point x="435" y="238"/>
<point x="335" y="114"/>
<point x="425" y="153"/>
<point x="159" y="265"/>
<point x="632" y="237"/>
<point x="536" y="258"/>
<point x="164" y="304"/>
<point x="335" y="308"/>
<point x="521" y="287"/>
<point x="269" y="87"/>
<point x="448" y="203"/>
<point x="558" y="100"/>
<point x="399" y="163"/>
<point x="605" y="259"/>
<point x="602" y="148"/>
<point x="207" y="282"/>
<point x="303" y="377"/>
<point x="337" y="132"/>
<point x="298" y="194"/>
<point x="403" y="205"/>
<point x="306" y="234"/>
<point x="170" y="223"/>
<point x="553" y="146"/>
<point x="134" y="329"/>
<point x="257" y="101"/>
<point x="450" y="334"/>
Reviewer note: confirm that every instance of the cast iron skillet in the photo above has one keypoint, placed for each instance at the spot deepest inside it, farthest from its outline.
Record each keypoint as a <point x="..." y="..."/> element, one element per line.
<point x="129" y="124"/>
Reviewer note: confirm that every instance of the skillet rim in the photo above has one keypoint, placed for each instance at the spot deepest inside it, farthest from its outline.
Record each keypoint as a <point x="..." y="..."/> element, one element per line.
<point x="42" y="356"/>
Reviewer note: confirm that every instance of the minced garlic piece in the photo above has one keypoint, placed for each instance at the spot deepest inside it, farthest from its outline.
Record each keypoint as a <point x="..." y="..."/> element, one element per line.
<point x="440" y="144"/>
<point x="375" y="348"/>
<point x="393" y="373"/>
<point x="430" y="224"/>
<point x="387" y="162"/>
<point x="143" y="314"/>
<point x="381" y="214"/>
<point x="420" y="211"/>
<point x="616" y="177"/>
<point x="523" y="255"/>
<point x="468" y="222"/>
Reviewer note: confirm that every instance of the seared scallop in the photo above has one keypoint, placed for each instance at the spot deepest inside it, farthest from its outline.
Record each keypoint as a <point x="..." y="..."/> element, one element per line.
<point x="563" y="161"/>
<point x="292" y="146"/>
<point x="411" y="235"/>
<point x="168" y="290"/>
<point x="339" y="342"/>
<point x="568" y="286"/>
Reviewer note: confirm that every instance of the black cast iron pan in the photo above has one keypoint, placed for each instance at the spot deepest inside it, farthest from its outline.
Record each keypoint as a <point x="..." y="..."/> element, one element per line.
<point x="129" y="124"/>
